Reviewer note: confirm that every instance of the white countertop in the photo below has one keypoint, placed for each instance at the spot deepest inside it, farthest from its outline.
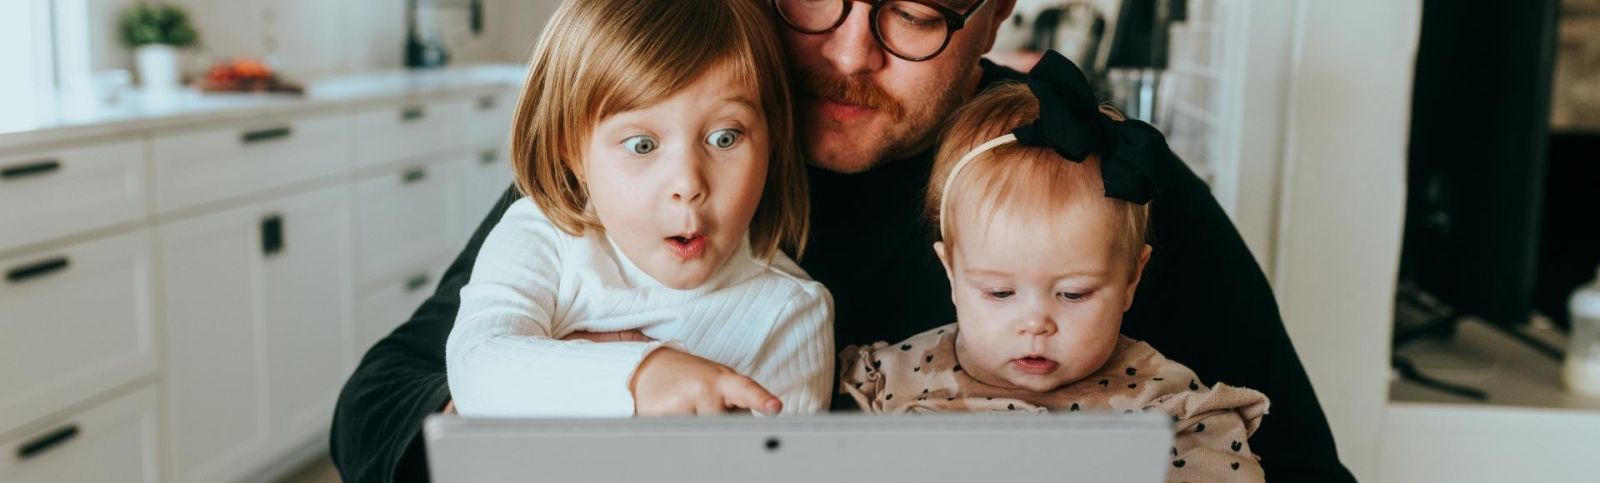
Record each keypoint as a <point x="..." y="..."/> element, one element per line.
<point x="55" y="118"/>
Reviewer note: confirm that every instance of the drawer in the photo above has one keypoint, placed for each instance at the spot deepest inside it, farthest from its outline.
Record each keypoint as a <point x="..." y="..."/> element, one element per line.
<point x="483" y="180"/>
<point x="77" y="322"/>
<point x="391" y="301"/>
<point x="114" y="442"/>
<point x="403" y="219"/>
<point x="409" y="131"/>
<point x="489" y="120"/>
<point x="50" y="194"/>
<point x="213" y="165"/>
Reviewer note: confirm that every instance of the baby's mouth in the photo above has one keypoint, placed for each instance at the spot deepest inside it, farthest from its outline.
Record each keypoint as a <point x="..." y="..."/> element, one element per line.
<point x="1035" y="365"/>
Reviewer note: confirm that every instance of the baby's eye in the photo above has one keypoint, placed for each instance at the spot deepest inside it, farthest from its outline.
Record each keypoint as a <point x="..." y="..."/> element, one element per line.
<point x="640" y="144"/>
<point x="999" y="294"/>
<point x="1072" y="296"/>
<point x="724" y="138"/>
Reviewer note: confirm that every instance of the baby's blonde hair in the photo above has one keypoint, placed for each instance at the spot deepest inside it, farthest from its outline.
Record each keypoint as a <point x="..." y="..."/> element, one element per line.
<point x="1034" y="181"/>
<point x="598" y="58"/>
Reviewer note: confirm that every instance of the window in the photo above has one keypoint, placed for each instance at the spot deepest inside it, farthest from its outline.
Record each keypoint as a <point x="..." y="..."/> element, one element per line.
<point x="26" y="51"/>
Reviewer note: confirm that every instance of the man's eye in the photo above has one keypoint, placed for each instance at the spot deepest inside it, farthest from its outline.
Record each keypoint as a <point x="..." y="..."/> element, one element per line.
<point x="640" y="144"/>
<point x="999" y="294"/>
<point x="724" y="138"/>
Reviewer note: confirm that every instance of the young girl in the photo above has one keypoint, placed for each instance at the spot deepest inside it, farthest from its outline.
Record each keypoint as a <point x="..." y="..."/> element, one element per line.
<point x="654" y="146"/>
<point x="1043" y="259"/>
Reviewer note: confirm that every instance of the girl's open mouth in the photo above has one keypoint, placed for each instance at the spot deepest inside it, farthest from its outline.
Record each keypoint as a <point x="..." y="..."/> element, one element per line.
<point x="687" y="247"/>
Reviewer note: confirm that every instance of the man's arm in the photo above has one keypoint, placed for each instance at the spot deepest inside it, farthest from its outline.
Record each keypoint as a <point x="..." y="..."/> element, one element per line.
<point x="1205" y="303"/>
<point x="377" y="424"/>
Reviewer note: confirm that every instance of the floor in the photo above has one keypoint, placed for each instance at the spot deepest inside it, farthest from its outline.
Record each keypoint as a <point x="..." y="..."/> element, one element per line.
<point x="319" y="471"/>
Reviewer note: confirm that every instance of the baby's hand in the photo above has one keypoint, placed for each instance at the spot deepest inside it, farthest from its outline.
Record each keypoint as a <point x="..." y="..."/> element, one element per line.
<point x="671" y="382"/>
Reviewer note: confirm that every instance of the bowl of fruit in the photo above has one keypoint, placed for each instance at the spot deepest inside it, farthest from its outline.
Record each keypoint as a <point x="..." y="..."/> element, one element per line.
<point x="246" y="75"/>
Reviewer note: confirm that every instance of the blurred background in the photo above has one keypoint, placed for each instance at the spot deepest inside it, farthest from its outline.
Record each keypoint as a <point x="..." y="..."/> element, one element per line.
<point x="210" y="209"/>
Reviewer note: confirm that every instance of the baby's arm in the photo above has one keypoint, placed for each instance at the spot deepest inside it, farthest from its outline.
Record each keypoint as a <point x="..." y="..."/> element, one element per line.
<point x="1213" y="446"/>
<point x="503" y="356"/>
<point x="796" y="361"/>
<point x="858" y="378"/>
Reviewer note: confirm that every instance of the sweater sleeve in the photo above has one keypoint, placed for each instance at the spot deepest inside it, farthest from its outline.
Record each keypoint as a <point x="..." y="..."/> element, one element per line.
<point x="505" y="357"/>
<point x="796" y="362"/>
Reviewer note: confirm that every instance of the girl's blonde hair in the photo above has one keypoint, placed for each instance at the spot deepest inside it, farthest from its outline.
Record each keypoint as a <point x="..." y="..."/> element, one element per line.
<point x="1034" y="181"/>
<point x="598" y="58"/>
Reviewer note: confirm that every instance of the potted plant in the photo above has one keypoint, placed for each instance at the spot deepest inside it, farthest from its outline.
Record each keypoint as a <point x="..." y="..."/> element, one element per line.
<point x="155" y="32"/>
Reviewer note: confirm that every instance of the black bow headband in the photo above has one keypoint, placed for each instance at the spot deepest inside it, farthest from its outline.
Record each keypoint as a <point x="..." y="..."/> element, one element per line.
<point x="1071" y="124"/>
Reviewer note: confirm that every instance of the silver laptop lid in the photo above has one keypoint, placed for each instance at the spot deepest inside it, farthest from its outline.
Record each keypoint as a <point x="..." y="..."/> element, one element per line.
<point x="945" y="447"/>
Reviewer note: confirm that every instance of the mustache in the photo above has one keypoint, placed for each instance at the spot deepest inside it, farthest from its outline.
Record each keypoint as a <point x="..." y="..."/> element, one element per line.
<point x="822" y="85"/>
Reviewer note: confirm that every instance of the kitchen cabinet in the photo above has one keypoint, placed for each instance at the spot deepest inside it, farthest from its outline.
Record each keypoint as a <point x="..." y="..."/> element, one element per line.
<point x="75" y="321"/>
<point x="115" y="442"/>
<point x="89" y="186"/>
<point x="257" y="301"/>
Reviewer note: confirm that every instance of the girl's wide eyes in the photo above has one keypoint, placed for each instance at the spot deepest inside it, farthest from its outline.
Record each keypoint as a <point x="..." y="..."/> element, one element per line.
<point x="724" y="138"/>
<point x="640" y="144"/>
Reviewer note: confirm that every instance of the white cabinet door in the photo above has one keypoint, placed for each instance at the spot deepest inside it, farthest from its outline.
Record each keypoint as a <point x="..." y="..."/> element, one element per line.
<point x="112" y="443"/>
<point x="257" y="301"/>
<point x="75" y="322"/>
<point x="389" y="302"/>
<point x="483" y="180"/>
<point x="405" y="218"/>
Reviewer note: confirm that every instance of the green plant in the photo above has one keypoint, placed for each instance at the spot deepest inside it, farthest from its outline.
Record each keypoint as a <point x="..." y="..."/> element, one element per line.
<point x="158" y="23"/>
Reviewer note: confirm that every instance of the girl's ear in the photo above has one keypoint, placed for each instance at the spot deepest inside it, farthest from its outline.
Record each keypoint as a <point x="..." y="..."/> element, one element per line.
<point x="1138" y="273"/>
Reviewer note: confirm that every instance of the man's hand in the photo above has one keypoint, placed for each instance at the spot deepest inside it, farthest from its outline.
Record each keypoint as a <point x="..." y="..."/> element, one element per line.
<point x="670" y="382"/>
<point x="623" y="336"/>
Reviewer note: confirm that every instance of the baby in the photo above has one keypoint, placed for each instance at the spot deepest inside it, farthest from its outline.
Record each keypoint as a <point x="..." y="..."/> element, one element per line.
<point x="1043" y="238"/>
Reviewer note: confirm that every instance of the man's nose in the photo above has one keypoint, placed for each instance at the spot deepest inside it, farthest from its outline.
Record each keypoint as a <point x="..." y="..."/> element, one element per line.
<point x="851" y="49"/>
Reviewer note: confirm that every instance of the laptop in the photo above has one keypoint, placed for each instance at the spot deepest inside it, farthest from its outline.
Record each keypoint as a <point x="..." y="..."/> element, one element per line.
<point x="1129" y="448"/>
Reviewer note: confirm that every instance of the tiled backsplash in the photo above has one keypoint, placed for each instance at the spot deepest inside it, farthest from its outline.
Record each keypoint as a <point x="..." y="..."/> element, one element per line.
<point x="1194" y="102"/>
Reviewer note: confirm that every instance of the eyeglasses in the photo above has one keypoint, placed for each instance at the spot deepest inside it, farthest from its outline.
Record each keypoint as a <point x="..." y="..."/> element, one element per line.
<point x="914" y="30"/>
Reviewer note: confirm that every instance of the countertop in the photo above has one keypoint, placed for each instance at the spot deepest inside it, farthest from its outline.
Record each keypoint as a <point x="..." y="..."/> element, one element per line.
<point x="58" y="118"/>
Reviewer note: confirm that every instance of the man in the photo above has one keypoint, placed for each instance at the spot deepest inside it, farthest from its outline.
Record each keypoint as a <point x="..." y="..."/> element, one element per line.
<point x="872" y="92"/>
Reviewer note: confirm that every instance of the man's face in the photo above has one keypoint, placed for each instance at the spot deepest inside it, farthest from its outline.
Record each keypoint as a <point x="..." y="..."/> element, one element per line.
<point x="859" y="106"/>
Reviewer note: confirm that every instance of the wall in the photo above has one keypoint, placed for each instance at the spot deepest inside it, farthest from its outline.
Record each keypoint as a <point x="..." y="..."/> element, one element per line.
<point x="310" y="39"/>
<point x="1343" y="191"/>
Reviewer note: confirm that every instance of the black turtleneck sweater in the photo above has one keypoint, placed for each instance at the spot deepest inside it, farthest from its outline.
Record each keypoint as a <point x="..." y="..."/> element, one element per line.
<point x="1203" y="302"/>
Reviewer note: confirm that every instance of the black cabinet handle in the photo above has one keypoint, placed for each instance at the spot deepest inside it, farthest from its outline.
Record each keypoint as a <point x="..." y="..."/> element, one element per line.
<point x="412" y="113"/>
<point x="264" y="135"/>
<point x="272" y="235"/>
<point x="414" y="175"/>
<point x="37" y="270"/>
<point x="488" y="156"/>
<point x="486" y="103"/>
<point x="35" y="168"/>
<point x="49" y="441"/>
<point x="417" y="282"/>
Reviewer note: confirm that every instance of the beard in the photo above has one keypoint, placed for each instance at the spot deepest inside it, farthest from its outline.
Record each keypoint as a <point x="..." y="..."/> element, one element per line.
<point x="852" y="147"/>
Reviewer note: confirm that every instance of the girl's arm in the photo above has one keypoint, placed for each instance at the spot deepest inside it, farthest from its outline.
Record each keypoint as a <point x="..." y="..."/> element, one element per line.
<point x="796" y="361"/>
<point x="504" y="357"/>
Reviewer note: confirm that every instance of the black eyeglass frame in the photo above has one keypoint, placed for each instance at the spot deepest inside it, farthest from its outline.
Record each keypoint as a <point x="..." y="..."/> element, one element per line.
<point x="953" y="21"/>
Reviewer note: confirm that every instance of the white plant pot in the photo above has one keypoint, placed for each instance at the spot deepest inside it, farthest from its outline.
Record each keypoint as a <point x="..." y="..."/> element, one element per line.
<point x="158" y="67"/>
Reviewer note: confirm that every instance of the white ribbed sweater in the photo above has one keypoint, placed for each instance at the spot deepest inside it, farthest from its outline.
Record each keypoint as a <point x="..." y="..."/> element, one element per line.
<point x="533" y="284"/>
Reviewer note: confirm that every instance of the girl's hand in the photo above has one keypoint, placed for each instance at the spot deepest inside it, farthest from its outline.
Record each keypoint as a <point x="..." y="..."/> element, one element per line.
<point x="670" y="382"/>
